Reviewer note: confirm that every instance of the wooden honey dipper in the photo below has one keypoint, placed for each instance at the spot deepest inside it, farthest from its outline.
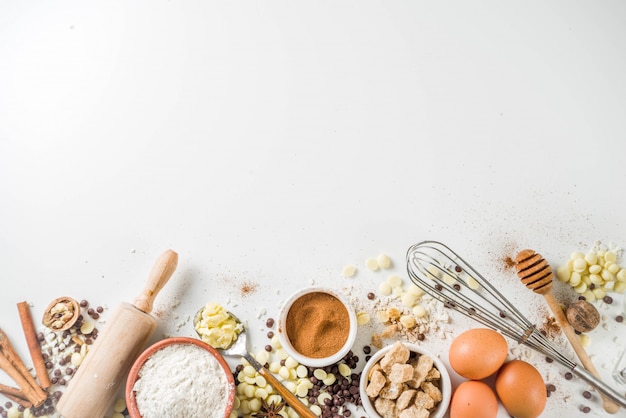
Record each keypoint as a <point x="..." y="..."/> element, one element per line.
<point x="536" y="274"/>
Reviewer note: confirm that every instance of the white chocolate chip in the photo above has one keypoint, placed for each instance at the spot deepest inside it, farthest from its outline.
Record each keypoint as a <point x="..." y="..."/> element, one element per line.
<point x="120" y="405"/>
<point x="316" y="409"/>
<point x="320" y="374"/>
<point x="330" y="379"/>
<point x="301" y="371"/>
<point x="87" y="327"/>
<point x="344" y="369"/>
<point x="349" y="271"/>
<point x="371" y="264"/>
<point x="76" y="359"/>
<point x="383" y="261"/>
<point x="394" y="281"/>
<point x="385" y="289"/>
<point x="362" y="318"/>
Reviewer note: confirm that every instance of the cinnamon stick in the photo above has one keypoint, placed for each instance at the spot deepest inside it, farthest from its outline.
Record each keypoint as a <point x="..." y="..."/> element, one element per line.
<point x="33" y="395"/>
<point x="12" y="364"/>
<point x="33" y="344"/>
<point x="16" y="395"/>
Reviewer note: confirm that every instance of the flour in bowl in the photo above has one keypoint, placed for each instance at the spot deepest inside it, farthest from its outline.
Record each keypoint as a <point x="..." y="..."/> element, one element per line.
<point x="182" y="380"/>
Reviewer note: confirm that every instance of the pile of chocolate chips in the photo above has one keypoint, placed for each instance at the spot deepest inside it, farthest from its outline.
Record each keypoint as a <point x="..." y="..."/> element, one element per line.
<point x="344" y="391"/>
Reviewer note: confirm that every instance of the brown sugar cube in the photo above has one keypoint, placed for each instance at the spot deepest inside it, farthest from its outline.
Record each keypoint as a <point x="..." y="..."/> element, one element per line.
<point x="389" y="332"/>
<point x="400" y="373"/>
<point x="405" y="399"/>
<point x="432" y="391"/>
<point x="375" y="384"/>
<point x="392" y="390"/>
<point x="377" y="341"/>
<point x="433" y="374"/>
<point x="398" y="353"/>
<point x="386" y="408"/>
<point x="414" y="412"/>
<point x="422" y="367"/>
<point x="375" y="368"/>
<point x="422" y="400"/>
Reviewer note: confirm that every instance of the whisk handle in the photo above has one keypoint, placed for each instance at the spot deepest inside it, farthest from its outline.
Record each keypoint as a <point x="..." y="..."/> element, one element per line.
<point x="602" y="387"/>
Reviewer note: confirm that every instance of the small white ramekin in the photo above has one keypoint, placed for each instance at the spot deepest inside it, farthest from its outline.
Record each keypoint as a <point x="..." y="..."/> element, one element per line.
<point x="311" y="361"/>
<point x="445" y="387"/>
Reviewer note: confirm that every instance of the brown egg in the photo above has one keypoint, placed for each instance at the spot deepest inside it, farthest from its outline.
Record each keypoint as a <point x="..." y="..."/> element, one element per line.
<point x="477" y="353"/>
<point x="473" y="399"/>
<point x="521" y="389"/>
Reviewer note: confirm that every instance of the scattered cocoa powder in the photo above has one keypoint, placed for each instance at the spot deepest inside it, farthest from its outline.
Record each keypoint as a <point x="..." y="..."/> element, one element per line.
<point x="248" y="288"/>
<point x="550" y="328"/>
<point x="509" y="262"/>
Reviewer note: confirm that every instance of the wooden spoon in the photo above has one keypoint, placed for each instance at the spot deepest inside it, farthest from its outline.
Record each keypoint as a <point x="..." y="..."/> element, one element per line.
<point x="536" y="274"/>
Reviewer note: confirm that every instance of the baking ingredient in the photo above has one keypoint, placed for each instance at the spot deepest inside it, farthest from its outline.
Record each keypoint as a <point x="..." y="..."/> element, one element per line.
<point x="521" y="389"/>
<point x="477" y="353"/>
<point x="182" y="380"/>
<point x="61" y="313"/>
<point x="28" y="326"/>
<point x="383" y="261"/>
<point x="349" y="271"/>
<point x="595" y="273"/>
<point x="362" y="318"/>
<point x="406" y="312"/>
<point x="317" y="325"/>
<point x="371" y="264"/>
<point x="473" y="399"/>
<point x="403" y="383"/>
<point x="582" y="316"/>
<point x="217" y="327"/>
<point x="12" y="364"/>
<point x="325" y="390"/>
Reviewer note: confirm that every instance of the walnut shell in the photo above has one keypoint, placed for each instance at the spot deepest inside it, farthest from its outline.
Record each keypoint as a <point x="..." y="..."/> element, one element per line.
<point x="582" y="316"/>
<point x="61" y="314"/>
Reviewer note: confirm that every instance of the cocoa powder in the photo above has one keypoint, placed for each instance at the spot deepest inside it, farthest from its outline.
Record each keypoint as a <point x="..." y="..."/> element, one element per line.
<point x="317" y="325"/>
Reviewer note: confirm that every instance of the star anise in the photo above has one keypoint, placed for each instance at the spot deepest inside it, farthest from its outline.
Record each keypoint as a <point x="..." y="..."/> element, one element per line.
<point x="269" y="410"/>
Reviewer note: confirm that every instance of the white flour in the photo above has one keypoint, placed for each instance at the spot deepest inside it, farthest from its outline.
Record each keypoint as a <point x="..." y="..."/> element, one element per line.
<point x="181" y="380"/>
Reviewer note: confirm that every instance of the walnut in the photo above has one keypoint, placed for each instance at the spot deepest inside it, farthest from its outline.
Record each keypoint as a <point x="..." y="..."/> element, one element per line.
<point x="61" y="314"/>
<point x="582" y="316"/>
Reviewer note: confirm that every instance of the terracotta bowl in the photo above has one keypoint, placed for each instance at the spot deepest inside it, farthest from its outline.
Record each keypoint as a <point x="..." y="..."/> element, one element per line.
<point x="133" y="375"/>
<point x="445" y="382"/>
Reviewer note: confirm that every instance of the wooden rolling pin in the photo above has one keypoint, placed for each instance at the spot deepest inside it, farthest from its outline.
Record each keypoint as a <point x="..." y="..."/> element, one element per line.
<point x="535" y="272"/>
<point x="92" y="390"/>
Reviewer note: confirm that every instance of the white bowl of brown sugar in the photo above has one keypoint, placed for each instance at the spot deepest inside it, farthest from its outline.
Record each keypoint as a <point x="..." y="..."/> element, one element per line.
<point x="418" y="379"/>
<point x="317" y="327"/>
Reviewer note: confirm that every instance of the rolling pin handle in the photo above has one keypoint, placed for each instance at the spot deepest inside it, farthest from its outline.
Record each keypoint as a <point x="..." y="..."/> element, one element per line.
<point x="161" y="272"/>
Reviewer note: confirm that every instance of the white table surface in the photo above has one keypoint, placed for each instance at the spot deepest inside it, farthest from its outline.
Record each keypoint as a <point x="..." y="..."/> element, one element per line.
<point x="273" y="143"/>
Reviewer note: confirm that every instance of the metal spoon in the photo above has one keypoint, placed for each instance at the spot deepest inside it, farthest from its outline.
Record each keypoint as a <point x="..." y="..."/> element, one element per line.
<point x="239" y="348"/>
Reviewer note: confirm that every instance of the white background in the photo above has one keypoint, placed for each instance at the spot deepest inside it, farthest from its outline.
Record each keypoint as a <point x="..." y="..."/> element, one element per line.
<point x="273" y="143"/>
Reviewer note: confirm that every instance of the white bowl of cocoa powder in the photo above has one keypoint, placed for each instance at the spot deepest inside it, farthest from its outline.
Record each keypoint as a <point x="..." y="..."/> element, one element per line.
<point x="317" y="327"/>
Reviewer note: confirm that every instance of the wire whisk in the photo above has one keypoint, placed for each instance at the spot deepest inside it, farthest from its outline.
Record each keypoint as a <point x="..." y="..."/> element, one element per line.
<point x="444" y="275"/>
